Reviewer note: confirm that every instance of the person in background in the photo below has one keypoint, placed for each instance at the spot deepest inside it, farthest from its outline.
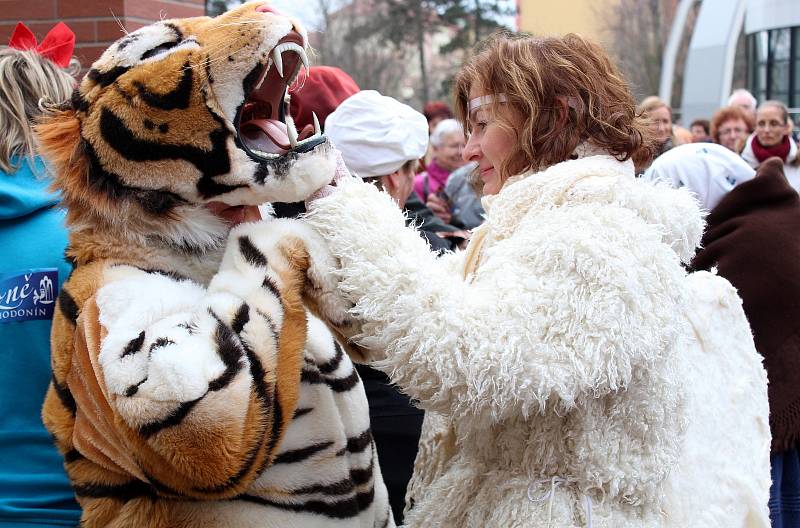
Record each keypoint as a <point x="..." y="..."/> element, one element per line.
<point x="701" y="131"/>
<point x="730" y="127"/>
<point x="380" y="140"/>
<point x="447" y="143"/>
<point x="317" y="92"/>
<point x="34" y="489"/>
<point x="751" y="240"/>
<point x="463" y="207"/>
<point x="772" y="138"/>
<point x="744" y="100"/>
<point x="660" y="118"/>
<point x="435" y="112"/>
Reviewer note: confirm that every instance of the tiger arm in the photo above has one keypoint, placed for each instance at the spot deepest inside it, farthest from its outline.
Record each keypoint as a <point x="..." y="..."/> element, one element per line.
<point x="190" y="389"/>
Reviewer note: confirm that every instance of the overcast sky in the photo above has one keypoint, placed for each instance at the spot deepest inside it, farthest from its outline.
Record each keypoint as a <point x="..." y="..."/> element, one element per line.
<point x="307" y="11"/>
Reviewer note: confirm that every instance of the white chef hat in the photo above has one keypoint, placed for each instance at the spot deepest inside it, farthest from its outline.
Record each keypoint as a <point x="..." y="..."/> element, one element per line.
<point x="376" y="134"/>
<point x="708" y="170"/>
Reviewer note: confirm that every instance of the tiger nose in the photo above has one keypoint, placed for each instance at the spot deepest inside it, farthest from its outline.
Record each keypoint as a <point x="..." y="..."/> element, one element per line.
<point x="266" y="8"/>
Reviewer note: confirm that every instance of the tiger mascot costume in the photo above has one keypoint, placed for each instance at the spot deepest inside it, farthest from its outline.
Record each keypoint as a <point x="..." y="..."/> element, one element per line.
<point x="191" y="386"/>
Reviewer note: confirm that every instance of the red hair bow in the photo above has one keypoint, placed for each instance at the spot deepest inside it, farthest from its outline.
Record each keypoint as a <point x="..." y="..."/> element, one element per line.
<point x="57" y="45"/>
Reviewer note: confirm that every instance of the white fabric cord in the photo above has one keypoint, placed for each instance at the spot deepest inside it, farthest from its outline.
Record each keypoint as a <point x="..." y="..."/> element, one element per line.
<point x="550" y="494"/>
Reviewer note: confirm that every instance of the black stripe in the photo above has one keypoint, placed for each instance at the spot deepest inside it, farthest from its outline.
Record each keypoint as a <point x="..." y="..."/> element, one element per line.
<point x="164" y="46"/>
<point x="251" y="253"/>
<point x="134" y="345"/>
<point x="174" y="418"/>
<point x="161" y="342"/>
<point x="342" y="487"/>
<point x="106" y="78"/>
<point x="211" y="163"/>
<point x="68" y="306"/>
<point x="122" y="492"/>
<point x="78" y="102"/>
<point x="359" y="443"/>
<point x="177" y="99"/>
<point x="336" y="384"/>
<point x="270" y="285"/>
<point x="156" y="202"/>
<point x="333" y="364"/>
<point x="73" y="455"/>
<point x="174" y="29"/>
<point x="167" y="273"/>
<point x="270" y="323"/>
<point x="301" y="412"/>
<point x="277" y="426"/>
<point x="133" y="389"/>
<point x="298" y="455"/>
<point x="241" y="318"/>
<point x="343" y="384"/>
<point x="230" y="351"/>
<point x="127" y="41"/>
<point x="341" y="509"/>
<point x="311" y="376"/>
<point x="65" y="396"/>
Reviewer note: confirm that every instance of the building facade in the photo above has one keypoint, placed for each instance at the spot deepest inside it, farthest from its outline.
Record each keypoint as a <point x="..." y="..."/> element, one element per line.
<point x="773" y="50"/>
<point x="97" y="24"/>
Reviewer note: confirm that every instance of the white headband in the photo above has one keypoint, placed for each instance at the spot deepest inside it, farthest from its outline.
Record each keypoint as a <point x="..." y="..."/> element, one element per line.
<point x="484" y="100"/>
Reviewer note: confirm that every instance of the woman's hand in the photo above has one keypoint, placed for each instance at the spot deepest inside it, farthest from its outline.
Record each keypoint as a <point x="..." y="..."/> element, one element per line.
<point x="341" y="172"/>
<point x="440" y="207"/>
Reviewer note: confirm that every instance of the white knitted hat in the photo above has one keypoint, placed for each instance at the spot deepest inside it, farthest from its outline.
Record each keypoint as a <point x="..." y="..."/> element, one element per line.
<point x="376" y="134"/>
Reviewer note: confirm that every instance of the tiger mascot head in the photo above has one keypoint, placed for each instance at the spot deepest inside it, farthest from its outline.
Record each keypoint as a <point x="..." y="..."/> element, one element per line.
<point x="179" y="114"/>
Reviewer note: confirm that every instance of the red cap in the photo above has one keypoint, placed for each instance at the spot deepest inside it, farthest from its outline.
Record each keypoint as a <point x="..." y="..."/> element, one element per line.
<point x="437" y="109"/>
<point x="322" y="91"/>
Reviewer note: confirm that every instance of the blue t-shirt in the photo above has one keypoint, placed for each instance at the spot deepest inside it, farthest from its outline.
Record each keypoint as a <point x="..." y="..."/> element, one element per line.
<point x="34" y="488"/>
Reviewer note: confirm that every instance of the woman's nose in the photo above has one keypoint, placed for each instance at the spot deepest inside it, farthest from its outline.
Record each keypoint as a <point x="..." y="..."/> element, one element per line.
<point x="472" y="150"/>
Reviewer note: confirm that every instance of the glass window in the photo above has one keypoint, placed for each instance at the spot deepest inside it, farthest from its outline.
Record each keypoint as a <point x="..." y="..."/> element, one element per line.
<point x="780" y="42"/>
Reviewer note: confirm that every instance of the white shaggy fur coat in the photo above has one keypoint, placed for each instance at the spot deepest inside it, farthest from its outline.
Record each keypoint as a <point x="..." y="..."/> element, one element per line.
<point x="578" y="377"/>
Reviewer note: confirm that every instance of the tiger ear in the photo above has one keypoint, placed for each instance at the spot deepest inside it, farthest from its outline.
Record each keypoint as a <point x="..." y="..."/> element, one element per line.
<point x="59" y="139"/>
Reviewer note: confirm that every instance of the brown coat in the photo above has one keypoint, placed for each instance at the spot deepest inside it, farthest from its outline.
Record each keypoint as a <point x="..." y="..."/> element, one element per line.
<point x="753" y="239"/>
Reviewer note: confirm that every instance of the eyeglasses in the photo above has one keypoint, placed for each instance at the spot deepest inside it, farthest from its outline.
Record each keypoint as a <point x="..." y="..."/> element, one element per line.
<point x="729" y="131"/>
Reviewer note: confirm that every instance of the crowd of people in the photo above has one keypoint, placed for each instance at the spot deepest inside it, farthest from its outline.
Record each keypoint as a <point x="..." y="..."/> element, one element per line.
<point x="756" y="132"/>
<point x="539" y="276"/>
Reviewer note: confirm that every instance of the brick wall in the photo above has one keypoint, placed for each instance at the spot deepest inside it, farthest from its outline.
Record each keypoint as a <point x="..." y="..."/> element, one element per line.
<point x="96" y="23"/>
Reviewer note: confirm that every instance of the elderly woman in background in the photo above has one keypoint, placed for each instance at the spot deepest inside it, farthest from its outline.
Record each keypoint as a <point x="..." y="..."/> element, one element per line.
<point x="659" y="115"/>
<point x="555" y="357"/>
<point x="773" y="138"/>
<point x="730" y="127"/>
<point x="34" y="489"/>
<point x="447" y="143"/>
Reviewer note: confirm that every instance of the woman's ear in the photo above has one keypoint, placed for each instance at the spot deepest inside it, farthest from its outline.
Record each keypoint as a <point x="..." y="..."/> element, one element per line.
<point x="562" y="107"/>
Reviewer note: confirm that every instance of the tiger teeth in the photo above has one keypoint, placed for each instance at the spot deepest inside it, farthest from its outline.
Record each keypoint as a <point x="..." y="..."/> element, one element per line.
<point x="276" y="57"/>
<point x="288" y="46"/>
<point x="317" y="128"/>
<point x="291" y="131"/>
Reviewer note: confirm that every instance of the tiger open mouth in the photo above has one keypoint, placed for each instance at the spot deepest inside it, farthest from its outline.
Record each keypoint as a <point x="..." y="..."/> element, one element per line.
<point x="264" y="127"/>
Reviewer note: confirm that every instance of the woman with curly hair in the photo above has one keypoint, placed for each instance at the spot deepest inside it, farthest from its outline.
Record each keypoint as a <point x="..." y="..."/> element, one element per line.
<point x="557" y="357"/>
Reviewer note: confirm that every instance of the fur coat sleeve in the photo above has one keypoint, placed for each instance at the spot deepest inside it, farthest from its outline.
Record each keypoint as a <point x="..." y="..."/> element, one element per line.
<point x="565" y="308"/>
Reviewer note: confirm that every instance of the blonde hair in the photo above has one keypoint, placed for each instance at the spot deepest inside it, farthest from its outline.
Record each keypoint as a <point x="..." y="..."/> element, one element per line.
<point x="28" y="84"/>
<point x="565" y="90"/>
<point x="651" y="103"/>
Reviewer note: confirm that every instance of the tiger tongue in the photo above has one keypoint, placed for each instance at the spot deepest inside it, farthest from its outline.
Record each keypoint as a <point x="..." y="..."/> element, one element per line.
<point x="266" y="135"/>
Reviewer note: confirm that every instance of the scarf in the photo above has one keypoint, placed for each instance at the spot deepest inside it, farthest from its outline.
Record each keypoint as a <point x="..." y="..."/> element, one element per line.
<point x="763" y="153"/>
<point x="431" y="181"/>
<point x="752" y="240"/>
